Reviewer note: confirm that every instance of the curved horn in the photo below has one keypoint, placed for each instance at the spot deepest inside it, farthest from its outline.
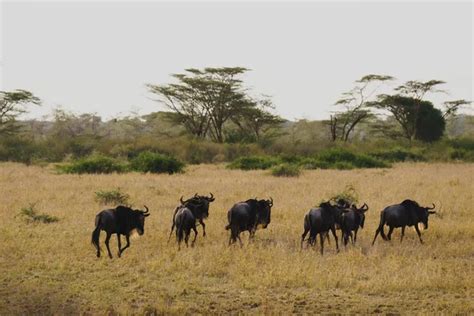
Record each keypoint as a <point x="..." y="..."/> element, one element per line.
<point x="212" y="195"/>
<point x="147" y="210"/>
<point x="181" y="200"/>
<point x="430" y="208"/>
<point x="365" y="207"/>
<point x="196" y="195"/>
<point x="271" y="201"/>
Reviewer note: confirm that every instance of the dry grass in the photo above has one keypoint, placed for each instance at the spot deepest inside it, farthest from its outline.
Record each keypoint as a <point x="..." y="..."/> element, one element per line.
<point x="52" y="268"/>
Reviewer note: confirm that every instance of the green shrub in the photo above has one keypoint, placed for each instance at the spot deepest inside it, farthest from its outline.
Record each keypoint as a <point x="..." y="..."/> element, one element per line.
<point x="343" y="159"/>
<point x="109" y="197"/>
<point x="156" y="163"/>
<point x="31" y="215"/>
<point x="397" y="154"/>
<point x="286" y="170"/>
<point x="349" y="194"/>
<point x="93" y="164"/>
<point x="254" y="163"/>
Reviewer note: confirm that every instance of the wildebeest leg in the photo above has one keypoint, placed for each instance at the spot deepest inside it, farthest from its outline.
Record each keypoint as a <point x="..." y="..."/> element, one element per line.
<point x="119" y="245"/>
<point x="107" y="239"/>
<point x="418" y="232"/>
<point x="127" y="238"/>
<point x="333" y="231"/>
<point x="390" y="231"/>
<point x="186" y="236"/>
<point x="321" y="240"/>
<point x="195" y="236"/>
<point x="306" y="230"/>
<point x="327" y="237"/>
<point x="171" y="232"/>
<point x="355" y="237"/>
<point x="240" y="240"/>
<point x="403" y="233"/>
<point x="203" y="227"/>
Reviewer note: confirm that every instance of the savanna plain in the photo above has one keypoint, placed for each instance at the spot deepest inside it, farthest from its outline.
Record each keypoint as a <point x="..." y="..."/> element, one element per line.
<point x="52" y="268"/>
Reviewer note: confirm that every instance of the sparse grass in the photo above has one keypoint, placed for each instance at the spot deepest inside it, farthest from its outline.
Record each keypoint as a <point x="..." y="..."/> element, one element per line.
<point x="52" y="269"/>
<point x="31" y="215"/>
<point x="112" y="197"/>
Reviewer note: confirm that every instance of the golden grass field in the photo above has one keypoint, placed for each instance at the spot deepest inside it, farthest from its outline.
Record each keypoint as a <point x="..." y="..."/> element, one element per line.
<point x="52" y="268"/>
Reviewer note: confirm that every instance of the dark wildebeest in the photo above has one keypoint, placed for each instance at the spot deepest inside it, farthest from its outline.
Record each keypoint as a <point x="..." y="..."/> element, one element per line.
<point x="352" y="219"/>
<point x="200" y="210"/>
<point x="121" y="220"/>
<point x="247" y="216"/>
<point x="320" y="221"/>
<point x="407" y="213"/>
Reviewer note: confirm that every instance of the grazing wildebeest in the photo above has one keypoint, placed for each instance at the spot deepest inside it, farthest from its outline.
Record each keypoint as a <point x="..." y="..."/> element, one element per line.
<point x="200" y="210"/>
<point x="121" y="220"/>
<point x="352" y="219"/>
<point x="247" y="216"/>
<point x="320" y="221"/>
<point x="407" y="213"/>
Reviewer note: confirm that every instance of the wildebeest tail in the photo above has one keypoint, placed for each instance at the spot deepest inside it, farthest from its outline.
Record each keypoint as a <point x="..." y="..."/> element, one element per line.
<point x="382" y="223"/>
<point x="96" y="233"/>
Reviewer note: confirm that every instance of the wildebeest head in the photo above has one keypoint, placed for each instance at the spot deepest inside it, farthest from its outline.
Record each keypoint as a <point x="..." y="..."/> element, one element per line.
<point x="361" y="211"/>
<point x="138" y="220"/>
<point x="199" y="204"/>
<point x="422" y="213"/>
<point x="264" y="212"/>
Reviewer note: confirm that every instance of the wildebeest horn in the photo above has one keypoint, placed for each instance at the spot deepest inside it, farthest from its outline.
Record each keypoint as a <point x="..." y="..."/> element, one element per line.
<point x="181" y="200"/>
<point x="365" y="207"/>
<point x="147" y="210"/>
<point x="212" y="195"/>
<point x="195" y="195"/>
<point x="270" y="201"/>
<point x="430" y="208"/>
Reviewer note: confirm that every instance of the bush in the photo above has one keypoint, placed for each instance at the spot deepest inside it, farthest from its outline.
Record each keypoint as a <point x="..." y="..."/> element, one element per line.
<point x="93" y="164"/>
<point x="254" y="163"/>
<point x="286" y="170"/>
<point x="344" y="159"/>
<point x="115" y="197"/>
<point x="32" y="215"/>
<point x="156" y="163"/>
<point x="397" y="154"/>
<point x="349" y="195"/>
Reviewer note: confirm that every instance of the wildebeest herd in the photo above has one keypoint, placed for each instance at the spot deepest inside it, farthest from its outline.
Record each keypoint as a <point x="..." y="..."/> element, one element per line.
<point x="254" y="213"/>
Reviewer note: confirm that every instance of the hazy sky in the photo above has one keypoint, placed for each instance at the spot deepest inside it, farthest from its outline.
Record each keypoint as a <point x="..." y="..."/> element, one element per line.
<point x="97" y="57"/>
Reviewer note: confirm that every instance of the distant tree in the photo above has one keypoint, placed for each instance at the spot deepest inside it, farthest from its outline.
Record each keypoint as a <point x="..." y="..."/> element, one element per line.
<point x="354" y="103"/>
<point x="451" y="107"/>
<point x="418" y="119"/>
<point x="204" y="100"/>
<point x="257" y="120"/>
<point x="12" y="105"/>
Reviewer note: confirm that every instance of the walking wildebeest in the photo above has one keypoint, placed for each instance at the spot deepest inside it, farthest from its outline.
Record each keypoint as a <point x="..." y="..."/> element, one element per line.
<point x="247" y="216"/>
<point x="352" y="219"/>
<point x="121" y="220"/>
<point x="320" y="221"/>
<point x="407" y="213"/>
<point x="200" y="211"/>
<point x="185" y="220"/>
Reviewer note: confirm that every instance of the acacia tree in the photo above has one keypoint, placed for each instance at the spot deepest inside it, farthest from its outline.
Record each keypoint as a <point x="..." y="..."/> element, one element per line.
<point x="355" y="106"/>
<point x="257" y="120"/>
<point x="204" y="100"/>
<point x="12" y="105"/>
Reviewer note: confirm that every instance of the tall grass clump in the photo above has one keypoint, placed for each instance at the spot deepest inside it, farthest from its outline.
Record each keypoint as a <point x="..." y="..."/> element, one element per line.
<point x="156" y="163"/>
<point x="94" y="164"/>
<point x="339" y="158"/>
<point x="109" y="197"/>
<point x="286" y="170"/>
<point x="31" y="214"/>
<point x="254" y="163"/>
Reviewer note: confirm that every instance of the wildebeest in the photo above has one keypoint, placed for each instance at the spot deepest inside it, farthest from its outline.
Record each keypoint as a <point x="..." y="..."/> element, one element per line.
<point x="320" y="221"/>
<point x="121" y="220"/>
<point x="407" y="213"/>
<point x="200" y="210"/>
<point x="352" y="219"/>
<point x="247" y="216"/>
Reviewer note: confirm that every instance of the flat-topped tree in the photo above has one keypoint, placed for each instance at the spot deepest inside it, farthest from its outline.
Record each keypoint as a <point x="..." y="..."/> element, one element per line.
<point x="204" y="100"/>
<point x="12" y="105"/>
<point x="354" y="106"/>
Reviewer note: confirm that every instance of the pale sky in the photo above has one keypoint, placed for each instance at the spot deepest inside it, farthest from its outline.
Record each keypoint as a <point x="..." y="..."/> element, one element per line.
<point x="97" y="57"/>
